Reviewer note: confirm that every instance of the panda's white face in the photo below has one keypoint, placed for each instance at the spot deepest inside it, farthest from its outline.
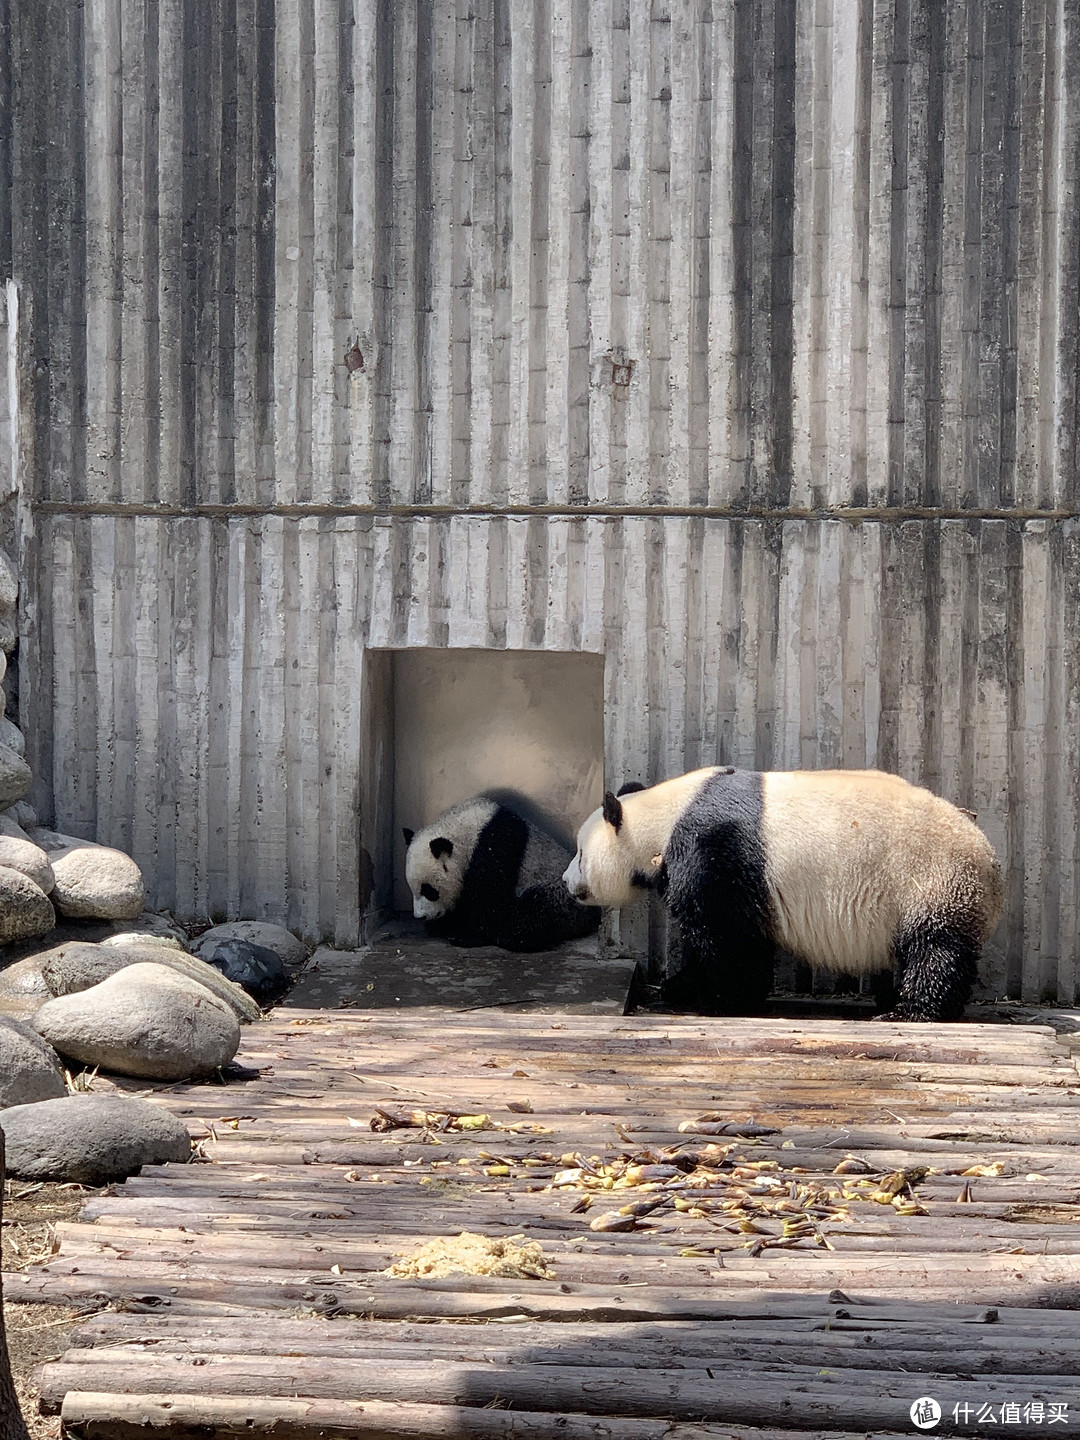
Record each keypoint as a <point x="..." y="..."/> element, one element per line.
<point x="433" y="869"/>
<point x="620" y="851"/>
<point x="438" y="856"/>
<point x="606" y="869"/>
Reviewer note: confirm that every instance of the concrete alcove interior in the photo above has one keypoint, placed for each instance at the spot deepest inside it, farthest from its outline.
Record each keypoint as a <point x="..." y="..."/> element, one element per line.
<point x="443" y="724"/>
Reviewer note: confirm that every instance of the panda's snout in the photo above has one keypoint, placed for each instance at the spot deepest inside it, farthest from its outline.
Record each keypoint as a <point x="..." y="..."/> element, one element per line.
<point x="574" y="881"/>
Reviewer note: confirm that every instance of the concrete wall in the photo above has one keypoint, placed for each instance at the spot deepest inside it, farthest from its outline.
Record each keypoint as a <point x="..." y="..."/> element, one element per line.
<point x="734" y="342"/>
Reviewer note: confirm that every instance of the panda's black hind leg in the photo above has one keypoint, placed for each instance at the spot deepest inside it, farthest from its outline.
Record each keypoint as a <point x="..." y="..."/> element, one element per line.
<point x="938" y="969"/>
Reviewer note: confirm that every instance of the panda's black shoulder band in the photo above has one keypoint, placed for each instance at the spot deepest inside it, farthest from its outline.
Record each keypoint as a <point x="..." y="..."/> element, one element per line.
<point x="654" y="880"/>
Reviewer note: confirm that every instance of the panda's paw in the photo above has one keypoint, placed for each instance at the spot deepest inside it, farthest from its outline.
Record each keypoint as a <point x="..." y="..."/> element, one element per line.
<point x="907" y="1013"/>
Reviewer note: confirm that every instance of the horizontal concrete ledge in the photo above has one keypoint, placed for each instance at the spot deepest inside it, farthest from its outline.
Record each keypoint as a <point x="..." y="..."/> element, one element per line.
<point x="385" y="513"/>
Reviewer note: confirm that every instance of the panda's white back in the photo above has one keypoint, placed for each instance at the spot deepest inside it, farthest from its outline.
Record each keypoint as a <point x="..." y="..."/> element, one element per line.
<point x="852" y="856"/>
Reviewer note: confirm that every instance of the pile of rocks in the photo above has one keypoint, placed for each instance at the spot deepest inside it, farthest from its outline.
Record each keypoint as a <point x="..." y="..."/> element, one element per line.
<point x="134" y="1004"/>
<point x="44" y="874"/>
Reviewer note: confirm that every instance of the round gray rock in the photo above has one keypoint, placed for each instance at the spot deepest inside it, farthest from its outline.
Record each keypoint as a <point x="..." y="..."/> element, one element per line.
<point x="146" y="1020"/>
<point x="9" y="585"/>
<point x="22" y="813"/>
<point x="30" y="1070"/>
<point x="29" y="859"/>
<point x="289" y="950"/>
<point x="142" y="940"/>
<point x="25" y="909"/>
<point x="15" y="777"/>
<point x="93" y="882"/>
<point x="150" y="925"/>
<point x="77" y="966"/>
<point x="10" y="734"/>
<point x="90" y="1139"/>
<point x="23" y="988"/>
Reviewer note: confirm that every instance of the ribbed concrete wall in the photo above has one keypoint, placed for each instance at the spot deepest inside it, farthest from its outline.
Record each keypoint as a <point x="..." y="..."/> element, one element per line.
<point x="736" y="341"/>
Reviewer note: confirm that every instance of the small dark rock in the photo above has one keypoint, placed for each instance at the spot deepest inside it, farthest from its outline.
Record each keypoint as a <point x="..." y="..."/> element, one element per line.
<point x="256" y="968"/>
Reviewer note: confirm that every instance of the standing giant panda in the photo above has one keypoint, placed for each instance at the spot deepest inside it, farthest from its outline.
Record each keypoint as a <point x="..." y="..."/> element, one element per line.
<point x="850" y="870"/>
<point x="487" y="872"/>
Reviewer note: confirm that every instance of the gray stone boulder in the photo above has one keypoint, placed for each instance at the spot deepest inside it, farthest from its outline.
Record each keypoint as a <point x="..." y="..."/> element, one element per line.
<point x="289" y="950"/>
<point x="10" y="734"/>
<point x="30" y="1069"/>
<point x="146" y="1020"/>
<point x="29" y="859"/>
<point x="149" y="926"/>
<point x="91" y="1139"/>
<point x="142" y="940"/>
<point x="25" y="909"/>
<point x="22" y="813"/>
<point x="23" y="987"/>
<point x="15" y="777"/>
<point x="9" y="585"/>
<point x="77" y="966"/>
<point x="93" y="882"/>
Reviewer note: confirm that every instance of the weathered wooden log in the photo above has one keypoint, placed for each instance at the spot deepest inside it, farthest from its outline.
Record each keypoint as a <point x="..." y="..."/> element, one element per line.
<point x="136" y="1417"/>
<point x="1046" y="1356"/>
<point x="267" y="1334"/>
<point x="1043" y="1282"/>
<point x="737" y="1296"/>
<point x="797" y="1397"/>
<point x="360" y="1253"/>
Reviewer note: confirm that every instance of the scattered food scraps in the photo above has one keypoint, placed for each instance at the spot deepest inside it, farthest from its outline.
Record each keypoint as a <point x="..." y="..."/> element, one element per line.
<point x="713" y="1123"/>
<point x="469" y="1254"/>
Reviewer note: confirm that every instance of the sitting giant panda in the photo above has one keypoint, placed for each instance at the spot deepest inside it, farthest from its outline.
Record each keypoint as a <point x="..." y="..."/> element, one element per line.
<point x="488" y="873"/>
<point x="850" y="870"/>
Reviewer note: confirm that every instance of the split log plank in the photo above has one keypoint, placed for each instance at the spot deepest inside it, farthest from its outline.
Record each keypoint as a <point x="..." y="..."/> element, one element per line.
<point x="134" y="1417"/>
<point x="357" y="1251"/>
<point x="795" y="1397"/>
<point x="861" y="1351"/>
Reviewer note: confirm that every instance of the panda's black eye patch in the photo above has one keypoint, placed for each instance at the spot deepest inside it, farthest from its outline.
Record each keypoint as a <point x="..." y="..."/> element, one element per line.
<point x="429" y="892"/>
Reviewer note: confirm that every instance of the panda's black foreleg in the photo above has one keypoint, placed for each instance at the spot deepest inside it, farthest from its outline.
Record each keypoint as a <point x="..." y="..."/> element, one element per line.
<point x="883" y="989"/>
<point x="738" y="984"/>
<point x="938" y="969"/>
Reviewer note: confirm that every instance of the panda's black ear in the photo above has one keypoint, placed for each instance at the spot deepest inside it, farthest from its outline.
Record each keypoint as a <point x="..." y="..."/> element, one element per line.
<point x="441" y="846"/>
<point x="612" y="811"/>
<point x="408" y="835"/>
<point x="631" y="787"/>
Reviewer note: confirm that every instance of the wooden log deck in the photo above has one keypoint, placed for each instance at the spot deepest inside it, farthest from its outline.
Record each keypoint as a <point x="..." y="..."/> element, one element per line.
<point x="750" y="1289"/>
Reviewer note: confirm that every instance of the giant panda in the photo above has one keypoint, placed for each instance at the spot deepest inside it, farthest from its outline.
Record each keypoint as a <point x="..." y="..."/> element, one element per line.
<point x="489" y="872"/>
<point x="852" y="870"/>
